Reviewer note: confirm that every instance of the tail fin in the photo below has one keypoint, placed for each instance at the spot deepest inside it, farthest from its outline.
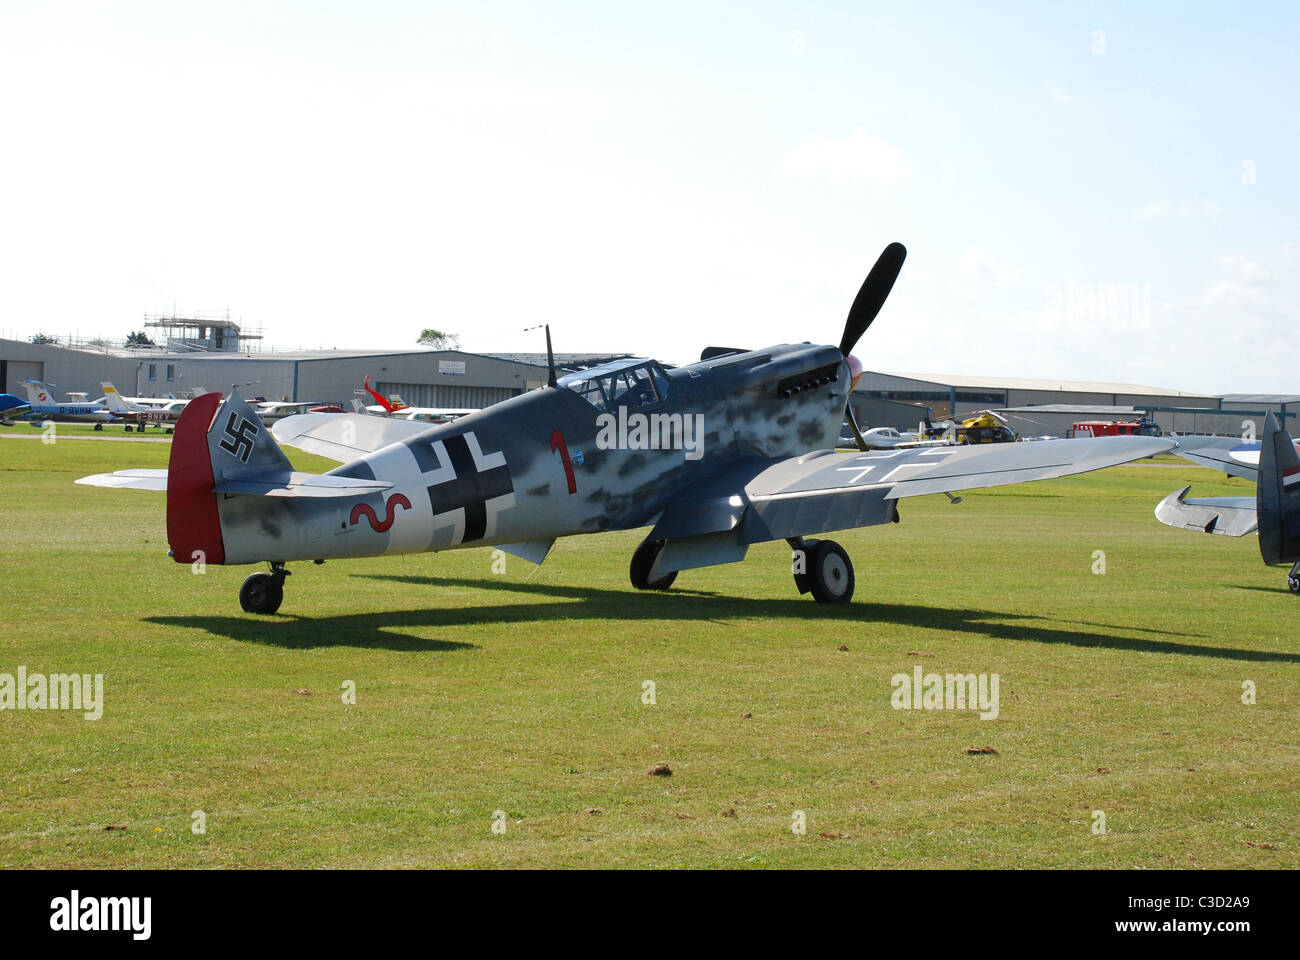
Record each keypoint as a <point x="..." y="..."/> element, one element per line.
<point x="38" y="391"/>
<point x="1277" y="495"/>
<point x="214" y="443"/>
<point x="112" y="399"/>
<point x="379" y="398"/>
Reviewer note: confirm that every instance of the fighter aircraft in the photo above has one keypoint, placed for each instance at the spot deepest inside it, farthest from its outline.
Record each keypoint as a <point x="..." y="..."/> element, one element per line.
<point x="44" y="407"/>
<point x="716" y="455"/>
<point x="1274" y="511"/>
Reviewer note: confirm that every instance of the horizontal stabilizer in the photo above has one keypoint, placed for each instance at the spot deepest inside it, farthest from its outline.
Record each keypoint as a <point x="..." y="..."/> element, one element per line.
<point x="1225" y="516"/>
<point x="291" y="483"/>
<point x="131" y="479"/>
<point x="344" y="436"/>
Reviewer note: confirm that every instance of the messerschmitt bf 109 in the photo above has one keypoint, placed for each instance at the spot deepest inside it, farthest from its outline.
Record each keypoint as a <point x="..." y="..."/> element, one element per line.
<point x="1274" y="512"/>
<point x="734" y="450"/>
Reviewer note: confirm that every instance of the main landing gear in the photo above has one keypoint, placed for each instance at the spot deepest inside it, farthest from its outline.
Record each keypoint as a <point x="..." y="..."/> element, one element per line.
<point x="643" y="560"/>
<point x="263" y="592"/>
<point x="1293" y="578"/>
<point x="822" y="568"/>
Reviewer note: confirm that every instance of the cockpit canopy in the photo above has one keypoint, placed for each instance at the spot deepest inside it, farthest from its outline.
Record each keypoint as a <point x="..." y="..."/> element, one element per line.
<point x="622" y="383"/>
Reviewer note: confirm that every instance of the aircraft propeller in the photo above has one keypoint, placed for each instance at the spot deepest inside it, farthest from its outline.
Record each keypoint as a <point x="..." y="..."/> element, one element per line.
<point x="871" y="297"/>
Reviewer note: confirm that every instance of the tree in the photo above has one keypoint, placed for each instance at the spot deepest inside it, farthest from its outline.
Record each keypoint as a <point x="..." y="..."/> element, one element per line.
<point x="43" y="338"/>
<point x="138" y="338"/>
<point x="439" y="340"/>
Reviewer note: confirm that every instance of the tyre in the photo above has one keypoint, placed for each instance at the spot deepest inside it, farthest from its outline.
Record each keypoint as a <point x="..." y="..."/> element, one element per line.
<point x="643" y="560"/>
<point x="831" y="571"/>
<point x="261" y="593"/>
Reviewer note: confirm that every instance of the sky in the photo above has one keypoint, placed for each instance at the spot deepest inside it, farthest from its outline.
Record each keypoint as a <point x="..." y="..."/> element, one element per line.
<point x="1104" y="192"/>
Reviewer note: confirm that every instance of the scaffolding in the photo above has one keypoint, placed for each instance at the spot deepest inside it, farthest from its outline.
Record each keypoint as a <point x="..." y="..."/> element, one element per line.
<point x="201" y="333"/>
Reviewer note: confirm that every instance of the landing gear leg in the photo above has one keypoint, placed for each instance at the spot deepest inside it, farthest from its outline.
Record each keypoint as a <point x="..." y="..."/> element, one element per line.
<point x="643" y="560"/>
<point x="263" y="592"/>
<point x="1293" y="578"/>
<point x="799" y="561"/>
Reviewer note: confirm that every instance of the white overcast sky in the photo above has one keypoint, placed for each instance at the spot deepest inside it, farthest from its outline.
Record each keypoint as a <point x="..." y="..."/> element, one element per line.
<point x="1095" y="193"/>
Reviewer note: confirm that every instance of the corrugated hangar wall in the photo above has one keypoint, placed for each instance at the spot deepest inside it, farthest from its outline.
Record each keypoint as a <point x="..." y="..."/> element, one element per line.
<point x="68" y="370"/>
<point x="436" y="395"/>
<point x="443" y="378"/>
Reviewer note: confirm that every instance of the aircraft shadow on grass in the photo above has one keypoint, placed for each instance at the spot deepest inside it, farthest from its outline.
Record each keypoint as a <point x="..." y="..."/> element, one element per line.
<point x="381" y="629"/>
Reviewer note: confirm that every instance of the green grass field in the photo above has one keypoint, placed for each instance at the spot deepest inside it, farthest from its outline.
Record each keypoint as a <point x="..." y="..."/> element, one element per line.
<point x="521" y="692"/>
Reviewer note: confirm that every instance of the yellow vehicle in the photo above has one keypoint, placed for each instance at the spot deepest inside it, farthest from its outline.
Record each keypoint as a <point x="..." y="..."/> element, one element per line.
<point x="985" y="427"/>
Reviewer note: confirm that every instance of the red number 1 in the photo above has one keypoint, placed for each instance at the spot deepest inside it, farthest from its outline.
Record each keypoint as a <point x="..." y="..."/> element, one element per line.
<point x="557" y="443"/>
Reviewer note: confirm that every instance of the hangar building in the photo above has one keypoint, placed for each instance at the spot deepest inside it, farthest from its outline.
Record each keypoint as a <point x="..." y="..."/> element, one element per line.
<point x="431" y="378"/>
<point x="954" y="395"/>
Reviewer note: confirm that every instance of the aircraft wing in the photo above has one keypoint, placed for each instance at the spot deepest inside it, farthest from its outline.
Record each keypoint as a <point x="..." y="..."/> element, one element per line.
<point x="1226" y="516"/>
<point x="343" y="436"/>
<point x="1230" y="455"/>
<point x="824" y="491"/>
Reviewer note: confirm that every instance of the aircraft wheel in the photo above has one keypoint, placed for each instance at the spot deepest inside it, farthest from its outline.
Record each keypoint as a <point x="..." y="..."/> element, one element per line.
<point x="643" y="560"/>
<point x="99" y="426"/>
<point x="831" y="571"/>
<point x="261" y="594"/>
<point x="804" y="581"/>
<point x="1293" y="581"/>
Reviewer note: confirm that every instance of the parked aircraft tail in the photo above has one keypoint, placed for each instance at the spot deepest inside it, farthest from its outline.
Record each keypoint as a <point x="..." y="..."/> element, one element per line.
<point x="223" y="457"/>
<point x="113" y="400"/>
<point x="1277" y="495"/>
<point x="38" y="391"/>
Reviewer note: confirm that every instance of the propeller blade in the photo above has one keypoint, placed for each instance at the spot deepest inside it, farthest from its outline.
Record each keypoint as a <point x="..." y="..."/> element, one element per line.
<point x="853" y="425"/>
<point x="871" y="297"/>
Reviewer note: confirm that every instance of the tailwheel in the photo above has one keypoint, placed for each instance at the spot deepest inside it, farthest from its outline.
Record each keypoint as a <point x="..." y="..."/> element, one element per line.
<point x="643" y="561"/>
<point x="263" y="592"/>
<point x="830" y="572"/>
<point x="1293" y="578"/>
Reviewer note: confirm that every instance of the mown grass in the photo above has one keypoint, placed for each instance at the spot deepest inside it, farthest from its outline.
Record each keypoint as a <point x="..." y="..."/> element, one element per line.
<point x="522" y="692"/>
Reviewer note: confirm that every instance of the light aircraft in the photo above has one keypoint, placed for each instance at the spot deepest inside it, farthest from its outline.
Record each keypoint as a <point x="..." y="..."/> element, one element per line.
<point x="273" y="410"/>
<point x="1274" y="512"/>
<point x="142" y="412"/>
<point x="12" y="407"/>
<point x="718" y="455"/>
<point x="393" y="406"/>
<point x="383" y="405"/>
<point x="40" y="396"/>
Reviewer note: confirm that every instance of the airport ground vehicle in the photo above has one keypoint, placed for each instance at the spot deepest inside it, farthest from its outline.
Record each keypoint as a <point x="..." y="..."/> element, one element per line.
<point x="1116" y="428"/>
